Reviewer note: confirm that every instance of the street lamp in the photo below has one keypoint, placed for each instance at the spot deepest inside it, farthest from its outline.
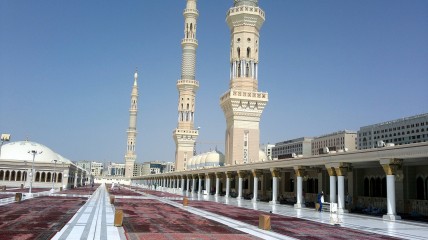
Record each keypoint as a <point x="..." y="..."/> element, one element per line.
<point x="4" y="138"/>
<point x="54" y="173"/>
<point x="34" y="153"/>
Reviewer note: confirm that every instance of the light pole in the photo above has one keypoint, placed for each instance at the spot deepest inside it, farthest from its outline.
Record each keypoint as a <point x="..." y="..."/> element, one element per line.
<point x="4" y="138"/>
<point x="32" y="152"/>
<point x="54" y="173"/>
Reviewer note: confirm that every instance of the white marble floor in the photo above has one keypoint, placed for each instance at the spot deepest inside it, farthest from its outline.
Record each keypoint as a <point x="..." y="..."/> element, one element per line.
<point x="400" y="228"/>
<point x="94" y="220"/>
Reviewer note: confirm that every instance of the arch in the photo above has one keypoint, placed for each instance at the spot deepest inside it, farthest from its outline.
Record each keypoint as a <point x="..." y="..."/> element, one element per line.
<point x="1" y="174"/>
<point x="24" y="176"/>
<point x="48" y="177"/>
<point x="310" y="188"/>
<point x="378" y="188"/>
<point x="37" y="177"/>
<point x="383" y="187"/>
<point x="419" y="188"/>
<point x="291" y="184"/>
<point x="245" y="183"/>
<point x="426" y="188"/>
<point x="7" y="175"/>
<point x="316" y="185"/>
<point x="43" y="177"/>
<point x="188" y="106"/>
<point x="12" y="176"/>
<point x="18" y="176"/>
<point x="248" y="52"/>
<point x="239" y="52"/>
<point x="366" y="187"/>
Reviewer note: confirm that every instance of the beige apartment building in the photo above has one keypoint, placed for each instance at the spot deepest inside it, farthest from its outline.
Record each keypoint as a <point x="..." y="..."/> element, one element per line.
<point x="341" y="141"/>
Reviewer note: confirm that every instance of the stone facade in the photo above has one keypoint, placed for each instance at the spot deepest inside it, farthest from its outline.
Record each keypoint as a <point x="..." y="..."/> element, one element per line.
<point x="185" y="135"/>
<point x="243" y="104"/>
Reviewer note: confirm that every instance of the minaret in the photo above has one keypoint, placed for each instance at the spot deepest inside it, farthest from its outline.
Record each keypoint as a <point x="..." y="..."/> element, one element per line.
<point x="130" y="156"/>
<point x="185" y="134"/>
<point x="243" y="104"/>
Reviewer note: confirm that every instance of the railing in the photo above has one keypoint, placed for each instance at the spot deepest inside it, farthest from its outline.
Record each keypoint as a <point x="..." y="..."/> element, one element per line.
<point x="247" y="94"/>
<point x="188" y="81"/>
<point x="246" y="9"/>
<point x="189" y="40"/>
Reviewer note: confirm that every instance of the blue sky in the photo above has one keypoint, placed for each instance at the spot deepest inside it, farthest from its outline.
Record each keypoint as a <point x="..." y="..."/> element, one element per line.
<point x="66" y="70"/>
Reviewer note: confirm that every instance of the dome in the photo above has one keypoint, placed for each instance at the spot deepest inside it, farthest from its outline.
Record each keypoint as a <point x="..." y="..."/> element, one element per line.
<point x="262" y="156"/>
<point x="197" y="162"/>
<point x="190" y="162"/>
<point x="214" y="158"/>
<point x="203" y="160"/>
<point x="18" y="151"/>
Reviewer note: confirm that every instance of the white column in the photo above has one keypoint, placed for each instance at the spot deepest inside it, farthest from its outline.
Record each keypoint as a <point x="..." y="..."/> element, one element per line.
<point x="390" y="195"/>
<point x="333" y="189"/>
<point x="227" y="186"/>
<point x="187" y="184"/>
<point x="208" y="184"/>
<point x="299" y="192"/>
<point x="217" y="185"/>
<point x="255" y="188"/>
<point x="341" y="193"/>
<point x="274" y="189"/>
<point x="182" y="184"/>
<point x="257" y="71"/>
<point x="199" y="184"/>
<point x="239" y="187"/>
<point x="193" y="184"/>
<point x="164" y="184"/>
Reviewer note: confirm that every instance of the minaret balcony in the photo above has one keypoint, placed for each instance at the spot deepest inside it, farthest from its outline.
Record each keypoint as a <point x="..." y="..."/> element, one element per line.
<point x="182" y="82"/>
<point x="247" y="95"/>
<point x="189" y="41"/>
<point x="245" y="9"/>
<point x="190" y="11"/>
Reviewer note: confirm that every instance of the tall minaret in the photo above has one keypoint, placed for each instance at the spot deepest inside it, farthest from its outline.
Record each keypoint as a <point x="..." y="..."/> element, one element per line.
<point x="130" y="156"/>
<point x="185" y="134"/>
<point x="243" y="104"/>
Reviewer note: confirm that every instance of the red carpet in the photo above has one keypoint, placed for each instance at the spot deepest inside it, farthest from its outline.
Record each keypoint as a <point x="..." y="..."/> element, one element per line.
<point x="289" y="226"/>
<point x="38" y="218"/>
<point x="150" y="219"/>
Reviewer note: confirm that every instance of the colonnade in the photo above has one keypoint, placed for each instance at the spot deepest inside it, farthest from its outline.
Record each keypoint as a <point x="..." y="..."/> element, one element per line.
<point x="186" y="183"/>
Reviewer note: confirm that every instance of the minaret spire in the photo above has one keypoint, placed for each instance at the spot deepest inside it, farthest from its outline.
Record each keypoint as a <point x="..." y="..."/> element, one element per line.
<point x="185" y="135"/>
<point x="243" y="104"/>
<point x="130" y="156"/>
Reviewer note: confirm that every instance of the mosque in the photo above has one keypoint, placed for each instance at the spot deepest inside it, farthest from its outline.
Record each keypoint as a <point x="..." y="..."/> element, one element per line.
<point x="388" y="180"/>
<point x="391" y="179"/>
<point x="51" y="170"/>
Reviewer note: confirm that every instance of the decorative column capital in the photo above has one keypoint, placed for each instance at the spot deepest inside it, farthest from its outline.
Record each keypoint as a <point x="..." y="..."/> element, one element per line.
<point x="299" y="171"/>
<point x="201" y="175"/>
<point x="194" y="176"/>
<point x="341" y="171"/>
<point x="390" y="166"/>
<point x="219" y="174"/>
<point x="242" y="174"/>
<point x="256" y="172"/>
<point x="229" y="174"/>
<point x="190" y="176"/>
<point x="275" y="172"/>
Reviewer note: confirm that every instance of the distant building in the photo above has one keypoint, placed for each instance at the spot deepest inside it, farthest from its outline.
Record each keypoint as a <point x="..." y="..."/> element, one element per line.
<point x="267" y="148"/>
<point x="116" y="169"/>
<point x="292" y="148"/>
<point x="156" y="167"/>
<point x="97" y="168"/>
<point x="407" y="130"/>
<point x="337" y="141"/>
<point x="85" y="165"/>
